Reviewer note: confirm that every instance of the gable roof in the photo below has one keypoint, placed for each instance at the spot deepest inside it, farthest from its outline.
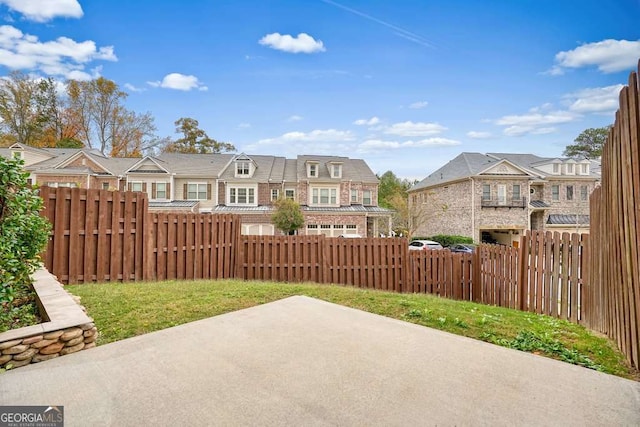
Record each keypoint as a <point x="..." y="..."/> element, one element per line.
<point x="355" y="170"/>
<point x="467" y="165"/>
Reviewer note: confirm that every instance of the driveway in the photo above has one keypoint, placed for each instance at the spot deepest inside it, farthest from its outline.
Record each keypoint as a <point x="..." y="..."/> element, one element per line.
<point x="301" y="361"/>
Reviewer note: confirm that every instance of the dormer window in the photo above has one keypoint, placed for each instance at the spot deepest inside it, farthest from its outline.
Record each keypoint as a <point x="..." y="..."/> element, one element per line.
<point x="336" y="170"/>
<point x="570" y="169"/>
<point x="584" y="169"/>
<point x="556" y="169"/>
<point x="243" y="168"/>
<point x="17" y="154"/>
<point x="312" y="170"/>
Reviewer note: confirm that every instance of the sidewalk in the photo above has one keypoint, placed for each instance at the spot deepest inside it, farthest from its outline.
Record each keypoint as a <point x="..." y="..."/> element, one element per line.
<point x="301" y="361"/>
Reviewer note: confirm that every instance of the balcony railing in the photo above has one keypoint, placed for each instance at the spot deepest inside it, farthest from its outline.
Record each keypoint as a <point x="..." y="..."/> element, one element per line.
<point x="504" y="203"/>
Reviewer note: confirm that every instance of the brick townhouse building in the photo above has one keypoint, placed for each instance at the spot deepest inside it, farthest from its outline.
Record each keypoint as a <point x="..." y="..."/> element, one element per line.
<point x="495" y="197"/>
<point x="338" y="195"/>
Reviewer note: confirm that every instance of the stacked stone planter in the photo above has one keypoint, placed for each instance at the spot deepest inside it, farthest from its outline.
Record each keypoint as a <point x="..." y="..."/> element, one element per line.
<point x="20" y="352"/>
<point x="67" y="330"/>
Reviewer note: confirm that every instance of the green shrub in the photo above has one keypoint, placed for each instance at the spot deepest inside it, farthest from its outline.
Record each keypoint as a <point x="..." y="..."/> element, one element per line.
<point x="448" y="240"/>
<point x="23" y="232"/>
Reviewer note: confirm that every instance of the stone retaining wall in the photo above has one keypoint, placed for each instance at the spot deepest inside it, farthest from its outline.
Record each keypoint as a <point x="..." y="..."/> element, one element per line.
<point x="67" y="328"/>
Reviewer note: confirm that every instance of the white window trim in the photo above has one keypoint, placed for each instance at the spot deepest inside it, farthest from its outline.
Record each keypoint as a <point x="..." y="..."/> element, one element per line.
<point x="322" y="187"/>
<point x="338" y="167"/>
<point x="277" y="194"/>
<point x="132" y="183"/>
<point x="370" y="203"/>
<point x="357" y="198"/>
<point x="186" y="196"/>
<point x="155" y="196"/>
<point x="242" y="175"/>
<point x="293" y="197"/>
<point x="242" y="186"/>
<point x="317" y="169"/>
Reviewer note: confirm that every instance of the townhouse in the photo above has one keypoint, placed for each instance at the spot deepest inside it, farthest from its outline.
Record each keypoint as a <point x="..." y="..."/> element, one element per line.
<point x="338" y="195"/>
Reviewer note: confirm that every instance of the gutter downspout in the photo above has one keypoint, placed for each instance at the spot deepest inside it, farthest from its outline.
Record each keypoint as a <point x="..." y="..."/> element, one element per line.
<point x="473" y="208"/>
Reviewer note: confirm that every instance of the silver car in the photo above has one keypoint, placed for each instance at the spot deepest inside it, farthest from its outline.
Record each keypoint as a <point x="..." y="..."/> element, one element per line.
<point x="424" y="245"/>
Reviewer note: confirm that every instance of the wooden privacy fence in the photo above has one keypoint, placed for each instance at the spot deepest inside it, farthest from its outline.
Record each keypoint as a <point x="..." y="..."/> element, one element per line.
<point x="365" y="263"/>
<point x="97" y="234"/>
<point x="101" y="235"/>
<point x="613" y="291"/>
<point x="441" y="273"/>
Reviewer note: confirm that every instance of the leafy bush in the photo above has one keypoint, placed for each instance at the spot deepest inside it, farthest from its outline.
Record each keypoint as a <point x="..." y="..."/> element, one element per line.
<point x="448" y="240"/>
<point x="288" y="216"/>
<point x="23" y="232"/>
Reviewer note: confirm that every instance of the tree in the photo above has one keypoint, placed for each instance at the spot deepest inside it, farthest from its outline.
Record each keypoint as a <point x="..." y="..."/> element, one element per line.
<point x="588" y="144"/>
<point x="288" y="216"/>
<point x="194" y="140"/>
<point x="99" y="118"/>
<point x="389" y="186"/>
<point x="24" y="107"/>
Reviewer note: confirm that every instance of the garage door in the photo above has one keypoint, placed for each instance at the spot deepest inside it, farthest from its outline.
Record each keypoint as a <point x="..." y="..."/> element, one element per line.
<point x="258" y="229"/>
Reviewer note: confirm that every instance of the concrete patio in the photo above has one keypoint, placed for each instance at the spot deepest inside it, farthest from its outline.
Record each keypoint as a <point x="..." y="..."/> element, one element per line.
<point x="301" y="361"/>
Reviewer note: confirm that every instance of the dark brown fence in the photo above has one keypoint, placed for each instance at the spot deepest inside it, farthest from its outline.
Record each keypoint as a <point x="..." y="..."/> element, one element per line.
<point x="97" y="234"/>
<point x="441" y="273"/>
<point x="190" y="246"/>
<point x="364" y="263"/>
<point x="613" y="291"/>
<point x="101" y="236"/>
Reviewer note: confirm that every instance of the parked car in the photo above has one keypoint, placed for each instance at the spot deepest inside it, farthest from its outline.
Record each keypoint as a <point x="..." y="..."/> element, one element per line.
<point x="463" y="247"/>
<point x="351" y="236"/>
<point x="424" y="245"/>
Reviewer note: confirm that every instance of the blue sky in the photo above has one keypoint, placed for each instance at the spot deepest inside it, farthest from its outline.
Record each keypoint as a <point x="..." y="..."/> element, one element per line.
<point x="405" y="85"/>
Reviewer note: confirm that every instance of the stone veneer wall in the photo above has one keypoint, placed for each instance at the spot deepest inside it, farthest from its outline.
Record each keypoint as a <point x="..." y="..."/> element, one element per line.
<point x="67" y="330"/>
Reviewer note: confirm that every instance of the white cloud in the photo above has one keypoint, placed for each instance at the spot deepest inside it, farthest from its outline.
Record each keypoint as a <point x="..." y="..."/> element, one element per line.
<point x="45" y="10"/>
<point x="609" y="56"/>
<point x="132" y="88"/>
<point x="418" y="105"/>
<point x="302" y="43"/>
<point x="602" y="100"/>
<point x="60" y="57"/>
<point x="411" y="129"/>
<point x="179" y="81"/>
<point x="244" y="125"/>
<point x="518" y="130"/>
<point x="380" y="144"/>
<point x="478" y="135"/>
<point x="537" y="119"/>
<point x="294" y="118"/>
<point x="318" y="135"/>
<point x="367" y="122"/>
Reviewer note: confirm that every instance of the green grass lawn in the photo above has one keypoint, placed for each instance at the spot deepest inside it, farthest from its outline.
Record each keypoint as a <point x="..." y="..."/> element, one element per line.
<point x="123" y="310"/>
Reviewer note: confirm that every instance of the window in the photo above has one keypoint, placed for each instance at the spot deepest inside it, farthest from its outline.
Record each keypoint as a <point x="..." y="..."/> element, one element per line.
<point x="161" y="190"/>
<point x="555" y="192"/>
<point x="312" y="170"/>
<point x="556" y="168"/>
<point x="584" y="192"/>
<point x="336" y="171"/>
<point x="197" y="191"/>
<point x="243" y="168"/>
<point x="502" y="194"/>
<point x="135" y="186"/>
<point x="584" y="169"/>
<point x="354" y="196"/>
<point x="570" y="169"/>
<point x="17" y="154"/>
<point x="516" y="192"/>
<point x="569" y="192"/>
<point x="290" y="194"/>
<point x="486" y="192"/>
<point x="275" y="193"/>
<point x="105" y="185"/>
<point x="366" y="197"/>
<point x="351" y="227"/>
<point x="323" y="196"/>
<point x="241" y="196"/>
<point x="62" y="184"/>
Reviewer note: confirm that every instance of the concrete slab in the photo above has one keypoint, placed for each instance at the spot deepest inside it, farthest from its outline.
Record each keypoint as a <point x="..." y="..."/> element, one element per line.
<point x="300" y="361"/>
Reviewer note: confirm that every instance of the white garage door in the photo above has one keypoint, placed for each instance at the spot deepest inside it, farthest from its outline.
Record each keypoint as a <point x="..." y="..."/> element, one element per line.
<point x="258" y="229"/>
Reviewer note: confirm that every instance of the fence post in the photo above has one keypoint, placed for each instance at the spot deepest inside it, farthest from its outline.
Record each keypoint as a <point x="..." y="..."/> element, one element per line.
<point x="523" y="264"/>
<point x="476" y="283"/>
